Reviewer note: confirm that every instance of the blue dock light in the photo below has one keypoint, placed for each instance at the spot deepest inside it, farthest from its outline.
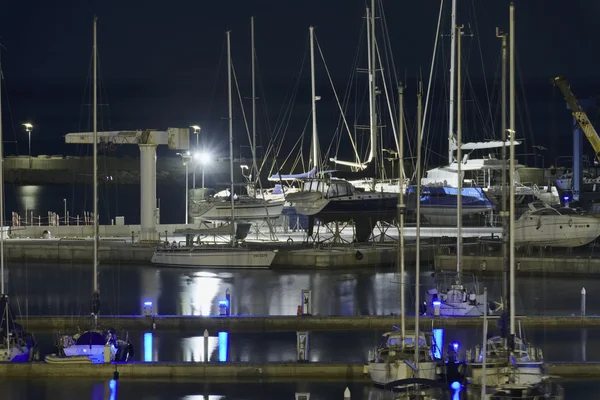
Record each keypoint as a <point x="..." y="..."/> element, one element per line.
<point x="455" y="385"/>
<point x="438" y="337"/>
<point x="455" y="346"/>
<point x="223" y="346"/>
<point x="112" y="385"/>
<point x="148" y="346"/>
<point x="148" y="312"/>
<point x="224" y="307"/>
<point x="437" y="303"/>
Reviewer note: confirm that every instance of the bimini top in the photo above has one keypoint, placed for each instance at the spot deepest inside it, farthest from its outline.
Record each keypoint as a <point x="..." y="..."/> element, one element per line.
<point x="294" y="177"/>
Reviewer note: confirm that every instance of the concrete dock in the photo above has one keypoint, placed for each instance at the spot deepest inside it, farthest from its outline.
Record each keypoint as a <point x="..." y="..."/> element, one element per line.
<point x="575" y="264"/>
<point x="235" y="371"/>
<point x="288" y="323"/>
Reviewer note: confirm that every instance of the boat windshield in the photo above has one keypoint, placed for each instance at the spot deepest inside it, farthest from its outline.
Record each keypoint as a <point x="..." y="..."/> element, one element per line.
<point x="334" y="188"/>
<point x="409" y="341"/>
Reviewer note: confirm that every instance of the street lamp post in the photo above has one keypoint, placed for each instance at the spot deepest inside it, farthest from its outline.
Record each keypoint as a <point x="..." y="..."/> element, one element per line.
<point x="186" y="160"/>
<point x="196" y="129"/>
<point x="28" y="129"/>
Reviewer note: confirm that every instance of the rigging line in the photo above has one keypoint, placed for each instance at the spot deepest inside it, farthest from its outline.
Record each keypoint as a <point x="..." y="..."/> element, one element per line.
<point x="241" y="103"/>
<point x="387" y="96"/>
<point x="525" y="104"/>
<point x="10" y="113"/>
<point x="485" y="84"/>
<point x="285" y="114"/>
<point x="389" y="53"/>
<point x="337" y="99"/>
<point x="421" y="129"/>
<point x="216" y="80"/>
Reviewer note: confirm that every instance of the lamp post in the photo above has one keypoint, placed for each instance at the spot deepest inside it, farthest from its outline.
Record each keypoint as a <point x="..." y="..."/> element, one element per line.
<point x="28" y="129"/>
<point x="196" y="129"/>
<point x="203" y="158"/>
<point x="66" y="222"/>
<point x="186" y="160"/>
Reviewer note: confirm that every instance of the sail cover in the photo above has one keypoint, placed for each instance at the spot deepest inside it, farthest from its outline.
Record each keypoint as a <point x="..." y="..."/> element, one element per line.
<point x="293" y="177"/>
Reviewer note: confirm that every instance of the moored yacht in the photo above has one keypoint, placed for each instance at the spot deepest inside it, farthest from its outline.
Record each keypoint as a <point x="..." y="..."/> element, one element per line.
<point x="394" y="359"/>
<point x="217" y="207"/>
<point x="543" y="225"/>
<point x="331" y="199"/>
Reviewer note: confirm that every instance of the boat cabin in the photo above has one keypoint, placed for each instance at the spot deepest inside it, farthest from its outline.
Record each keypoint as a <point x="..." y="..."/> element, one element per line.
<point x="330" y="188"/>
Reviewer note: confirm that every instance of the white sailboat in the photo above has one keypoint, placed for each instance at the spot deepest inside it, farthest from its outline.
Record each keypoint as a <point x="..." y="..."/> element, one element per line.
<point x="509" y="360"/>
<point x="456" y="300"/>
<point x="92" y="346"/>
<point x="16" y="346"/>
<point x="219" y="255"/>
<point x="405" y="356"/>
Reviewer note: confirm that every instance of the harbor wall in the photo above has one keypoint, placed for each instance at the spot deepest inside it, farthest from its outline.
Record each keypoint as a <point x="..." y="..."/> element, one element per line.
<point x="234" y="371"/>
<point x="290" y="323"/>
<point x="555" y="265"/>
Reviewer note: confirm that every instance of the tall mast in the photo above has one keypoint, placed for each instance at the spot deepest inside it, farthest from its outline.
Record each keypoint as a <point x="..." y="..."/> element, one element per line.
<point x="315" y="137"/>
<point x="504" y="214"/>
<point x="96" y="294"/>
<point x="511" y="129"/>
<point x="254" y="167"/>
<point x="2" y="292"/>
<point x="230" y="136"/>
<point x="418" y="230"/>
<point x="401" y="206"/>
<point x="459" y="242"/>
<point x="452" y="64"/>
<point x="372" y="85"/>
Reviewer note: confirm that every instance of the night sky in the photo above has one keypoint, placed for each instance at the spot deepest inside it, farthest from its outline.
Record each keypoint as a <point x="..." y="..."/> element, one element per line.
<point x="159" y="61"/>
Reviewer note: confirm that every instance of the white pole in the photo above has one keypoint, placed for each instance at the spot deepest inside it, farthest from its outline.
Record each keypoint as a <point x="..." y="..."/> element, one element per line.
<point x="418" y="230"/>
<point x="315" y="137"/>
<point x="253" y="53"/>
<point x="372" y="82"/>
<point x="459" y="247"/>
<point x="186" y="191"/>
<point x="2" y="291"/>
<point x="95" y="196"/>
<point x="511" y="37"/>
<point x="484" y="348"/>
<point x="452" y="64"/>
<point x="230" y="135"/>
<point x="401" y="208"/>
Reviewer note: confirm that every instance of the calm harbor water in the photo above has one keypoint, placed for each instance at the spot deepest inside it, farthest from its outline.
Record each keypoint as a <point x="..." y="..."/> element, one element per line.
<point x="70" y="389"/>
<point x="65" y="289"/>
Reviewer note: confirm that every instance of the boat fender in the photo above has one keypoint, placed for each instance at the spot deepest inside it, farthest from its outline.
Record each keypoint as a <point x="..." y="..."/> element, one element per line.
<point x="290" y="241"/>
<point x="358" y="255"/>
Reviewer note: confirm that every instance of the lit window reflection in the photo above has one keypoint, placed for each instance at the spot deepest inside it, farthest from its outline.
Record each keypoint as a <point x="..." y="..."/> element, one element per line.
<point x="193" y="348"/>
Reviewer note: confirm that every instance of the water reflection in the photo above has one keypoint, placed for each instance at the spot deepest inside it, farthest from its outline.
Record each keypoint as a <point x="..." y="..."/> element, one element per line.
<point x="64" y="289"/>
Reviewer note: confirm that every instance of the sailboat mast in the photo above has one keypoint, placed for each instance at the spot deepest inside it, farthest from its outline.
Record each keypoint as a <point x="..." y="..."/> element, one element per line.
<point x="315" y="137"/>
<point x="96" y="293"/>
<point x="511" y="129"/>
<point x="459" y="241"/>
<point x="254" y="167"/>
<point x="451" y="99"/>
<point x="230" y="136"/>
<point x="401" y="206"/>
<point x="418" y="230"/>
<point x="372" y="84"/>
<point x="505" y="264"/>
<point x="2" y="292"/>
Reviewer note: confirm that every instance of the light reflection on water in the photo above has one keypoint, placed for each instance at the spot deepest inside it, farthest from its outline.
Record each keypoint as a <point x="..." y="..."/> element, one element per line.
<point x="65" y="290"/>
<point x="81" y="389"/>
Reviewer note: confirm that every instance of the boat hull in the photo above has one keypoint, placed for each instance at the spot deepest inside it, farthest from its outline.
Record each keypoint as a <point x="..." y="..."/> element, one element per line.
<point x="383" y="373"/>
<point x="526" y="373"/>
<point x="225" y="258"/>
<point x="220" y="210"/>
<point x="556" y="231"/>
<point x="15" y="354"/>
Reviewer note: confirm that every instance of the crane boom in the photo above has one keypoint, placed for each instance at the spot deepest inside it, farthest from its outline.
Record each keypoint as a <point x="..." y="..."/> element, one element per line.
<point x="579" y="114"/>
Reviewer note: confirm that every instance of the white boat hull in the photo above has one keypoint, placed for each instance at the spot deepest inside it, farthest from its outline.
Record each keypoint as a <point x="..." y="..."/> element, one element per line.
<point x="556" y="230"/>
<point x="14" y="354"/>
<point x="220" y="210"/>
<point x="307" y="203"/>
<point x="526" y="373"/>
<point x="384" y="373"/>
<point x="225" y="258"/>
